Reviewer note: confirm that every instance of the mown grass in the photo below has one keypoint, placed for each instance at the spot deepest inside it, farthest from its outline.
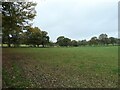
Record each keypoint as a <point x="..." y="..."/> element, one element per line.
<point x="81" y="67"/>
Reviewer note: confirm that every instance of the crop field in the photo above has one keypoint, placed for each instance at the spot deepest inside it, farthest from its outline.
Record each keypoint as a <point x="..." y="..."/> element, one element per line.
<point x="67" y="67"/>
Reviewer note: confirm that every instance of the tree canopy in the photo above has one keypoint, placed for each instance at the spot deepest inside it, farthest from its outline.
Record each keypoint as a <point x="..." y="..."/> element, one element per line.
<point x="17" y="17"/>
<point x="102" y="39"/>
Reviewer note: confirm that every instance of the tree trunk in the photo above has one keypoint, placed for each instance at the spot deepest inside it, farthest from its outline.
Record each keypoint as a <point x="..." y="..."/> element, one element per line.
<point x="9" y="45"/>
<point x="43" y="45"/>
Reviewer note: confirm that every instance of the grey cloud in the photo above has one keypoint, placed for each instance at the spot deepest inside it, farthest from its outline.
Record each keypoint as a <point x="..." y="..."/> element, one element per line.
<point x="76" y="20"/>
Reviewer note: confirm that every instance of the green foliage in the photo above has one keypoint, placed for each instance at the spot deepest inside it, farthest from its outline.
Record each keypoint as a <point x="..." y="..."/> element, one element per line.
<point x="62" y="41"/>
<point x="34" y="36"/>
<point x="102" y="40"/>
<point x="112" y="40"/>
<point x="74" y="43"/>
<point x="45" y="38"/>
<point x="15" y="17"/>
<point x="94" y="41"/>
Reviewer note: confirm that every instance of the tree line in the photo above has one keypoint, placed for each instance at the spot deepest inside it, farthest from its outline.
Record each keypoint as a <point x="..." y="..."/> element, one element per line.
<point x="101" y="40"/>
<point x="17" y="29"/>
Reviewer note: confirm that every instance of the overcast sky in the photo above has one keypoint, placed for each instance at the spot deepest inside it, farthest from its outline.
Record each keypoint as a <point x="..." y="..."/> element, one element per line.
<point x="77" y="19"/>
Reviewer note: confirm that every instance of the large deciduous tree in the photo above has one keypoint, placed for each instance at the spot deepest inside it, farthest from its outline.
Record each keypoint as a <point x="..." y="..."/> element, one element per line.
<point x="103" y="39"/>
<point x="94" y="41"/>
<point x="74" y="43"/>
<point x="63" y="41"/>
<point x="44" y="38"/>
<point x="60" y="40"/>
<point x="35" y="36"/>
<point x="16" y="16"/>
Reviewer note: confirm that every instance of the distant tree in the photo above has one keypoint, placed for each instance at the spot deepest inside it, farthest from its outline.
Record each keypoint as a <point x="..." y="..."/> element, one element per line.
<point x="63" y="41"/>
<point x="79" y="43"/>
<point x="103" y="39"/>
<point x="74" y="43"/>
<point x="60" y="40"/>
<point x="93" y="41"/>
<point x="84" y="42"/>
<point x="66" y="42"/>
<point x="113" y="40"/>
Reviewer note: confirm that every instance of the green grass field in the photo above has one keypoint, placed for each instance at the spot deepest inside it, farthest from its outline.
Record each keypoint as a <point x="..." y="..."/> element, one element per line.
<point x="73" y="67"/>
